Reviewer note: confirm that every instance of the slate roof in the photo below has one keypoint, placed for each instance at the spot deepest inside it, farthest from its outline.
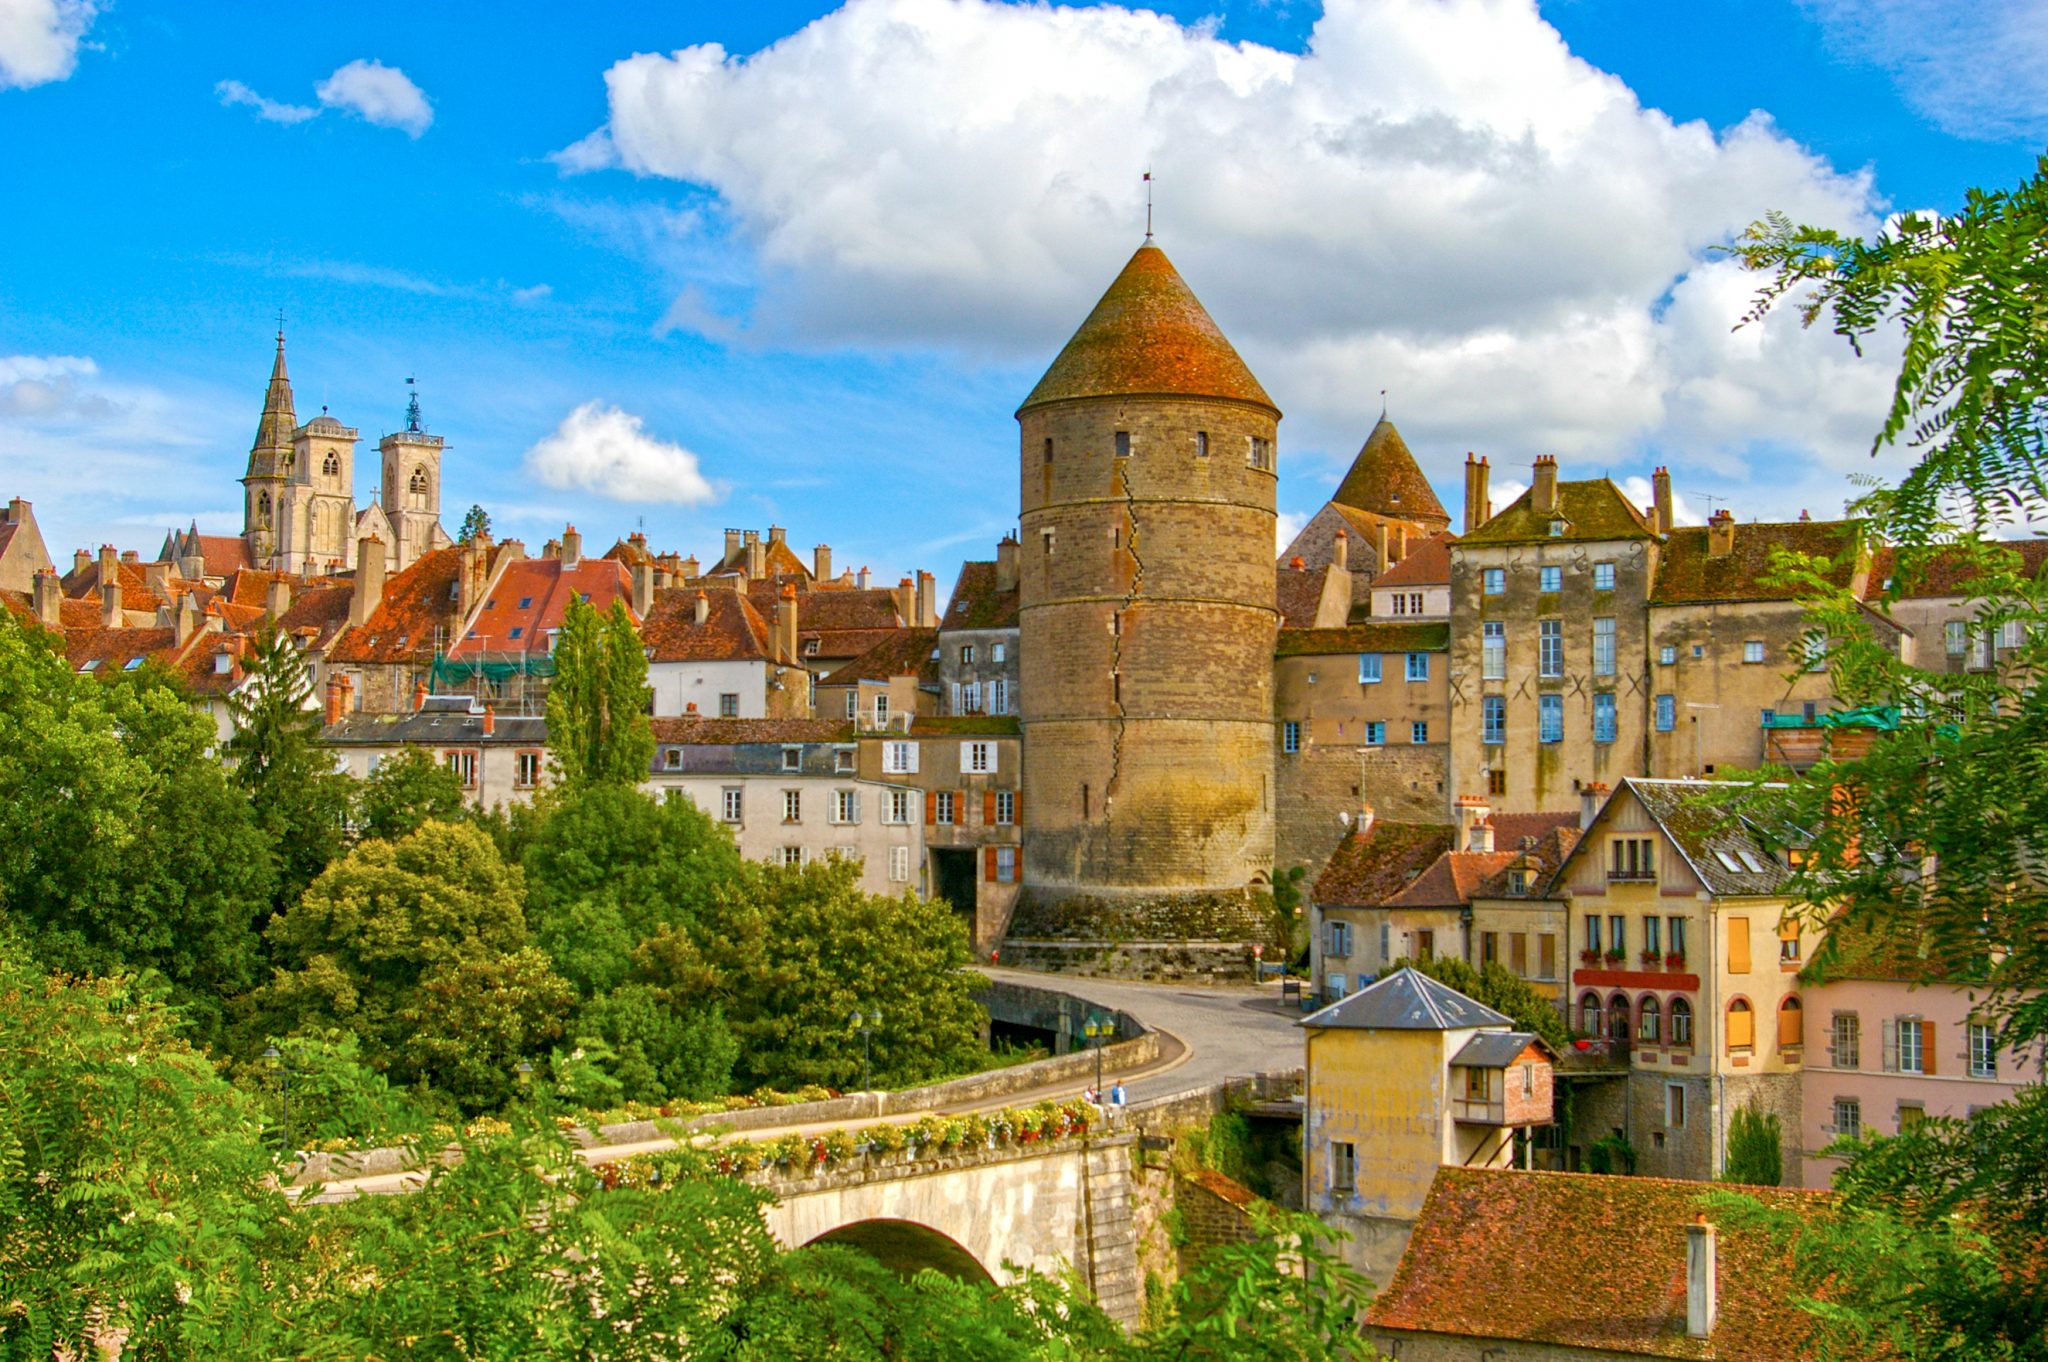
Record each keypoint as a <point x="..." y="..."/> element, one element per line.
<point x="1428" y="563"/>
<point x="1496" y="1049"/>
<point x="732" y="631"/>
<point x="1367" y="869"/>
<point x="1687" y="572"/>
<point x="684" y="732"/>
<point x="1594" y="510"/>
<point x="1406" y="1000"/>
<point x="906" y="652"/>
<point x="1578" y="1260"/>
<point x="1364" y="638"/>
<point x="1721" y="847"/>
<point x="428" y="728"/>
<point x="1298" y="591"/>
<point x="977" y="604"/>
<point x="1148" y="336"/>
<point x="1384" y="479"/>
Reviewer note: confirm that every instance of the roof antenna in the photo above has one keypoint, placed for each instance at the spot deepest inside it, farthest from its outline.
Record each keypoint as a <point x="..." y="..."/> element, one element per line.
<point x="1148" y="208"/>
<point x="280" y="328"/>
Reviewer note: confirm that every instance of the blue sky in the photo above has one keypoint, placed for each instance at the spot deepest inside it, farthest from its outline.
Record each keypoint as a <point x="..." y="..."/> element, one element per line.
<point x="808" y="282"/>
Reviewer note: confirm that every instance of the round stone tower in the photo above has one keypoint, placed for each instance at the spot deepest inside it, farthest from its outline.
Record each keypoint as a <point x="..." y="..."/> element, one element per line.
<point x="1146" y="587"/>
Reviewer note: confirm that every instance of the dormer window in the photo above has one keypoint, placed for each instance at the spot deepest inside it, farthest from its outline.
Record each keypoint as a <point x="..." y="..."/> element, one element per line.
<point x="1557" y="529"/>
<point x="223" y="663"/>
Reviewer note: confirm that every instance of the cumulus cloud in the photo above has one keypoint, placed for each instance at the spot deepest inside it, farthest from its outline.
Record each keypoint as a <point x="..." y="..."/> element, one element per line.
<point x="1287" y="525"/>
<point x="599" y="448"/>
<point x="379" y="94"/>
<point x="39" y="39"/>
<point x="1975" y="70"/>
<point x="1436" y="198"/>
<point x="233" y="92"/>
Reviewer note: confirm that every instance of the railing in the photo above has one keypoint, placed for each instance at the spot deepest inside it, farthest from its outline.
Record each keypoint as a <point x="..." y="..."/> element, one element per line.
<point x="1479" y="1112"/>
<point x="1615" y="876"/>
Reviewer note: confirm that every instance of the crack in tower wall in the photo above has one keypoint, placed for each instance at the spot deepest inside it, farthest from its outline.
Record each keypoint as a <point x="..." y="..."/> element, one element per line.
<point x="1116" y="647"/>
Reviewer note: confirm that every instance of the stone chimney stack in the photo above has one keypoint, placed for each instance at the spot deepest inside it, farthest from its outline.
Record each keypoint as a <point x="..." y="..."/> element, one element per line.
<point x="337" y="698"/>
<point x="1472" y="811"/>
<point x="1379" y="547"/>
<point x="490" y="718"/>
<point x="110" y="601"/>
<point x="861" y="579"/>
<point x="552" y="550"/>
<point x="1591" y="797"/>
<point x="1482" y="836"/>
<point x="1006" y="563"/>
<point x="1543" y="495"/>
<point x="80" y="560"/>
<point x="49" y="599"/>
<point x="1721" y="534"/>
<point x="369" y="580"/>
<point x="1660" y="500"/>
<point x="185" y="620"/>
<point x="821" y="563"/>
<point x="277" y="598"/>
<point x="643" y="589"/>
<point x="703" y="607"/>
<point x="1340" y="551"/>
<point x="1478" y="499"/>
<point x="157" y="577"/>
<point x="785" y="622"/>
<point x="690" y="569"/>
<point x="110" y="564"/>
<point x="906" y="602"/>
<point x="927" y="601"/>
<point x="1702" y="1279"/>
<point x="757" y="556"/>
<point x="572" y="546"/>
<point x="419" y="696"/>
<point x="17" y="511"/>
<point x="1365" y="817"/>
<point x="131" y="556"/>
<point x="732" y="549"/>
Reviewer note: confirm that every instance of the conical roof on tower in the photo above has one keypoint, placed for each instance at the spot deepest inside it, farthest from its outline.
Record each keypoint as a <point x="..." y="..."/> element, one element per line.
<point x="1149" y="336"/>
<point x="270" y="455"/>
<point x="1385" y="480"/>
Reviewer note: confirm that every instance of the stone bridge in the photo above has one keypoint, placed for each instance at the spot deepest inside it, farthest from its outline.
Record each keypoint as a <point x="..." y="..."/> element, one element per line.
<point x="986" y="1215"/>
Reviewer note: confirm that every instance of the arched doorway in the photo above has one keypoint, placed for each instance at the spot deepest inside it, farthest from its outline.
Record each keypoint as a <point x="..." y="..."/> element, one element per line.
<point x="908" y="1248"/>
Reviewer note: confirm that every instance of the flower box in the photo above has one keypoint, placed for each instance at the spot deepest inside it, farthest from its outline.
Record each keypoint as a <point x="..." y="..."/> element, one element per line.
<point x="1652" y="959"/>
<point x="1614" y="957"/>
<point x="1676" y="960"/>
<point x="1589" y="957"/>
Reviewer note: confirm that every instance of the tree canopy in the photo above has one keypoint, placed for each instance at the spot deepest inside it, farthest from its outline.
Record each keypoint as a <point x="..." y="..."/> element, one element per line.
<point x="274" y="755"/>
<point x="597" y="704"/>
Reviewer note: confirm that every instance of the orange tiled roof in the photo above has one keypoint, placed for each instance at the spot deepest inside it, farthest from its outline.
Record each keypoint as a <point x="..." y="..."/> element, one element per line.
<point x="1385" y="480"/>
<point x="819" y="612"/>
<point x="977" y="604"/>
<point x="1149" y="336"/>
<point x="1369" y="870"/>
<point x="531" y="597"/>
<point x="1580" y="1260"/>
<point x="319" y="612"/>
<point x="118" y="650"/>
<point x="906" y="652"/>
<point x="223" y="554"/>
<point x="780" y="561"/>
<point x="1428" y="564"/>
<point x="733" y="630"/>
<point x="415" y="603"/>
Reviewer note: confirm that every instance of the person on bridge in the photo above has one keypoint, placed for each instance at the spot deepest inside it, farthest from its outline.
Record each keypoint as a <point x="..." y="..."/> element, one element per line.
<point x="1116" y="1097"/>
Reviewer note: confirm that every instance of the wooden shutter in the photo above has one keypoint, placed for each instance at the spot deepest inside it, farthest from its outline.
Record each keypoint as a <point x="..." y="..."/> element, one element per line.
<point x="988" y="808"/>
<point x="1927" y="1047"/>
<point x="1741" y="1028"/>
<point x="931" y="807"/>
<point x="1791" y="1023"/>
<point x="1017" y="806"/>
<point x="1738" y="945"/>
<point x="1890" y="1029"/>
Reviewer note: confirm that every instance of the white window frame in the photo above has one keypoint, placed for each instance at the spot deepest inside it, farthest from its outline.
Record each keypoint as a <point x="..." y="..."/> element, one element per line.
<point x="732" y="802"/>
<point x="945" y="808"/>
<point x="1493" y="650"/>
<point x="846" y="806"/>
<point x="899" y="807"/>
<point x="1752" y="651"/>
<point x="899" y="758"/>
<point x="1983" y="1050"/>
<point x="1343" y="1166"/>
<point x="978" y="758"/>
<point x="1603" y="645"/>
<point x="1006" y="865"/>
<point x="1493" y="581"/>
<point x="899" y="865"/>
<point x="792" y="759"/>
<point x="1006" y="808"/>
<point x="1417" y="667"/>
<point x="792" y="806"/>
<point x="1854" y="1125"/>
<point x="1550" y="649"/>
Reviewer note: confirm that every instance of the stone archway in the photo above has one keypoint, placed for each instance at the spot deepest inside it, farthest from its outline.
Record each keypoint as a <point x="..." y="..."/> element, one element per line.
<point x="907" y="1248"/>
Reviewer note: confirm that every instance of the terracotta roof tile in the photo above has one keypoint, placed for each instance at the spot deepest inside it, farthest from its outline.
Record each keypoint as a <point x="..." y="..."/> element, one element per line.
<point x="939" y="725"/>
<point x="1366" y="871"/>
<point x="319" y="612"/>
<point x="906" y="652"/>
<point x="1452" y="879"/>
<point x="1148" y="336"/>
<point x="830" y="644"/>
<point x="1594" y="510"/>
<point x="118" y="650"/>
<point x="530" y="598"/>
<point x="779" y="560"/>
<point x="1949" y="574"/>
<point x="1385" y="480"/>
<point x="1364" y="638"/>
<point x="829" y="611"/>
<point x="733" y="630"/>
<point x="977" y="604"/>
<point x="1428" y="564"/>
<point x="1688" y="572"/>
<point x="416" y="603"/>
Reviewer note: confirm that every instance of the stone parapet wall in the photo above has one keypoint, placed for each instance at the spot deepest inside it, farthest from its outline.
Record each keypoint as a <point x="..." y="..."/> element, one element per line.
<point x="1196" y="962"/>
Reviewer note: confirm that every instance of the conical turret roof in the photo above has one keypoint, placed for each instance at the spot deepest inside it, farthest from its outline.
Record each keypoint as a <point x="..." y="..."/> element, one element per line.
<point x="1149" y="336"/>
<point x="270" y="455"/>
<point x="1385" y="480"/>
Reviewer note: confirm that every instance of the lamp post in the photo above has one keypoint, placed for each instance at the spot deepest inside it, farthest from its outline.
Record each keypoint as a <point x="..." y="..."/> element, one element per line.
<point x="1098" y="1029"/>
<point x="864" y="1025"/>
<point x="275" y="1060"/>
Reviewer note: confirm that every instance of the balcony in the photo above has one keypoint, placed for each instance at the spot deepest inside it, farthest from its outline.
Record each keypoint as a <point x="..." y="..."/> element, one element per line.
<point x="1478" y="1111"/>
<point x="1618" y="876"/>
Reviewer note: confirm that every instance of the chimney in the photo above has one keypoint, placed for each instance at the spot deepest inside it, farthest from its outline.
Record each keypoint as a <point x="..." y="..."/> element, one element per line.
<point x="572" y="546"/>
<point x="552" y="550"/>
<point x="690" y="569"/>
<point x="1482" y="835"/>
<point x="1340" y="550"/>
<point x="1702" y="1279"/>
<point x="49" y="599"/>
<point x="1006" y="563"/>
<point x="277" y="599"/>
<point x="1591" y="797"/>
<point x="110" y="564"/>
<point x="638" y="539"/>
<point x="80" y="560"/>
<point x="1379" y="545"/>
<point x="1365" y="817"/>
<point x="703" y="607"/>
<point x="1660" y="500"/>
<point x="1297" y="564"/>
<point x="1721" y="533"/>
<point x="185" y="622"/>
<point x="927" y="601"/>
<point x="861" y="580"/>
<point x="821" y="563"/>
<point x="419" y="696"/>
<point x="490" y="719"/>
<point x="337" y="698"/>
<point x="785" y="622"/>
<point x="369" y="580"/>
<point x="906" y="602"/>
<point x="1543" y="496"/>
<point x="757" y="556"/>
<point x="131" y="555"/>
<point x="1401" y="543"/>
<point x="732" y="550"/>
<point x="17" y="511"/>
<point x="1472" y="811"/>
<point x="643" y="589"/>
<point x="157" y="577"/>
<point x="110" y="601"/>
<point x="777" y="535"/>
<point x="1478" y="499"/>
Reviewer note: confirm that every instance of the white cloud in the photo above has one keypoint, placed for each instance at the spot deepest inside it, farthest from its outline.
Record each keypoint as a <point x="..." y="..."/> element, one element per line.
<point x="600" y="449"/>
<point x="1287" y="525"/>
<point x="233" y="92"/>
<point x="39" y="39"/>
<point x="1974" y="70"/>
<point x="1436" y="198"/>
<point x="379" y="94"/>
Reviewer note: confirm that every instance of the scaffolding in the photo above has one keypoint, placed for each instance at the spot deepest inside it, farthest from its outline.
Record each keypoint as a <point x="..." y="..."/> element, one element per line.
<point x="517" y="682"/>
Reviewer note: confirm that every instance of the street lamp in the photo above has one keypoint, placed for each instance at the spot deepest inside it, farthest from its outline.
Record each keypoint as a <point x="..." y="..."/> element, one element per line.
<point x="1098" y="1029"/>
<point x="275" y="1060"/>
<point x="864" y="1025"/>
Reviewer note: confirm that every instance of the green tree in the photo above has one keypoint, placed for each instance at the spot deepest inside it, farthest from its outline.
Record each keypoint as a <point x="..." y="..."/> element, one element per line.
<point x="475" y="521"/>
<point x="597" y="704"/>
<point x="1501" y="989"/>
<point x="406" y="790"/>
<point x="275" y="755"/>
<point x="1754" y="1158"/>
<point x="334" y="1093"/>
<point x="1286" y="1296"/>
<point x="419" y="947"/>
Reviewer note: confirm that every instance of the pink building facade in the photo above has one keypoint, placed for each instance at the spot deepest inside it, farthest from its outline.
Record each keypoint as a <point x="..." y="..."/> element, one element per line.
<point x="1882" y="1055"/>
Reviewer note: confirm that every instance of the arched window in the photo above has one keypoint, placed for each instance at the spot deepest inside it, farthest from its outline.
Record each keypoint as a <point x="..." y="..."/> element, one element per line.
<point x="1681" y="1022"/>
<point x="263" y="509"/>
<point x="1649" y="1021"/>
<point x="1791" y="1023"/>
<point x="416" y="490"/>
<point x="1741" y="1026"/>
<point x="1617" y="1017"/>
<point x="331" y="465"/>
<point x="1589" y="1013"/>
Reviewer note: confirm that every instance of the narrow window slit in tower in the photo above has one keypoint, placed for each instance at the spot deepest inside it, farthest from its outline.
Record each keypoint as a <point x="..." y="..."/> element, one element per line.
<point x="1123" y="444"/>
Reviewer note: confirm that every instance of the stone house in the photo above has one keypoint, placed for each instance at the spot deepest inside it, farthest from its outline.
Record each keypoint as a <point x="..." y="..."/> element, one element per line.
<point x="500" y="759"/>
<point x="977" y="643"/>
<point x="22" y="551"/>
<point x="711" y="654"/>
<point x="510" y="611"/>
<point x="890" y="684"/>
<point x="1375" y="861"/>
<point x="1419" y="586"/>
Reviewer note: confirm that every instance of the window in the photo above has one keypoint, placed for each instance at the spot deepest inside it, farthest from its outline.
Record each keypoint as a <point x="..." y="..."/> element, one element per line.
<point x="899" y="863"/>
<point x="1650" y="946"/>
<point x="792" y="758"/>
<point x="1006" y="808"/>
<point x="792" y="856"/>
<point x="1667" y="713"/>
<point x="1617" y="934"/>
<point x="1791" y="1024"/>
<point x="1386" y="944"/>
<point x="852" y="704"/>
<point x="1604" y="723"/>
<point x="1632" y="858"/>
<point x="526" y="769"/>
<point x="463" y="764"/>
<point x="792" y="806"/>
<point x="671" y="758"/>
<point x="517" y="631"/>
<point x="1337" y="939"/>
<point x="1550" y="648"/>
<point x="899" y="758"/>
<point x="1528" y="1080"/>
<point x="1418" y="666"/>
<point x="1343" y="1166"/>
<point x="1425" y="945"/>
<point x="995" y="652"/>
<point x="1907" y="1045"/>
<point x="1550" y="718"/>
<point x="1489" y="948"/>
<point x="1681" y="1022"/>
<point x="1201" y="444"/>
<point x="978" y="757"/>
<point x="1674" y="1105"/>
<point x="526" y="602"/>
<point x="1550" y="580"/>
<point x="1593" y="933"/>
<point x="1497" y="780"/>
<point x="1493" y="651"/>
<point x="1262" y="453"/>
<point x="1983" y="1050"/>
<point x="1418" y="732"/>
<point x="1333" y="987"/>
<point x="1845" y="1041"/>
<point x="967" y="654"/>
<point x="1617" y="1016"/>
<point x="1956" y="635"/>
<point x="944" y="807"/>
<point x="999" y="695"/>
<point x="1849" y="1118"/>
<point x="1911" y="1115"/>
<point x="1699" y="650"/>
<point x="1589" y="1013"/>
<point x="1675" y="938"/>
<point x="1493" y="719"/>
<point x="1048" y="459"/>
<point x="1788" y="933"/>
<point x="1546" y="955"/>
<point x="1375" y="734"/>
<point x="1667" y="655"/>
<point x="1603" y="646"/>
<point x="1518" y="953"/>
<point x="1290" y="736"/>
<point x="846" y="806"/>
<point x="882" y="720"/>
<point x="1493" y="581"/>
<point x="842" y="760"/>
<point x="1603" y="576"/>
<point x="730" y="803"/>
<point x="1741" y="1027"/>
<point x="1753" y="650"/>
<point x="1368" y="669"/>
<point x="2012" y="633"/>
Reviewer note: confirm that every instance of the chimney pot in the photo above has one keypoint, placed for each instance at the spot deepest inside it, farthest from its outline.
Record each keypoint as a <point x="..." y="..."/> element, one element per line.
<point x="821" y="563"/>
<point x="1482" y="836"/>
<point x="80" y="560"/>
<point x="572" y="547"/>
<point x="861" y="580"/>
<point x="419" y="695"/>
<point x="1543" y="495"/>
<point x="490" y="719"/>
<point x="49" y="599"/>
<point x="1478" y="497"/>
<point x="110" y="601"/>
<point x="1721" y="533"/>
<point x="1006" y="563"/>
<point x="337" y="699"/>
<point x="643" y="589"/>
<point x="1340" y="550"/>
<point x="1296" y="564"/>
<point x="1661" y="509"/>
<point x="703" y="607"/>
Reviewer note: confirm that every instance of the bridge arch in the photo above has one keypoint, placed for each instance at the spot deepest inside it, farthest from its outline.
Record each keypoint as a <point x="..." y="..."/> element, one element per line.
<point x="907" y="1247"/>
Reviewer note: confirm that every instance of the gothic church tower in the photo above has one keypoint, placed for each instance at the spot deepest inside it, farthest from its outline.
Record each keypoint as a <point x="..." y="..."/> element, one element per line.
<point x="270" y="465"/>
<point x="1147" y="597"/>
<point x="412" y="488"/>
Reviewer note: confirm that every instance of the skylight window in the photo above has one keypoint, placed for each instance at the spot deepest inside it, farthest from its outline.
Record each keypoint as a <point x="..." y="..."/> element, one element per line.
<point x="92" y="664"/>
<point x="526" y="602"/>
<point x="1749" y="859"/>
<point x="1729" y="861"/>
<point x="131" y="664"/>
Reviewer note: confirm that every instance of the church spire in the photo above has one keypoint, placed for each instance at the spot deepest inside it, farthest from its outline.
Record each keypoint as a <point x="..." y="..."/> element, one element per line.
<point x="270" y="455"/>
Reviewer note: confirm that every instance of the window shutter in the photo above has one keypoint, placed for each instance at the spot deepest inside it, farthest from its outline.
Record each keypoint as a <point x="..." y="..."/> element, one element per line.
<point x="1891" y="1045"/>
<point x="1738" y="945"/>
<point x="1741" y="1029"/>
<point x="988" y="857"/>
<point x="854" y="812"/>
<point x="931" y="806"/>
<point x="1017" y="806"/>
<point x="988" y="808"/>
<point x="1927" y="1047"/>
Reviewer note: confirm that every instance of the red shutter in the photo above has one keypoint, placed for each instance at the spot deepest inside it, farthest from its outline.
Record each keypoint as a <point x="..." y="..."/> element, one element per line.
<point x="988" y="808"/>
<point x="931" y="807"/>
<point x="1927" y="1047"/>
<point x="1017" y="806"/>
<point x="988" y="857"/>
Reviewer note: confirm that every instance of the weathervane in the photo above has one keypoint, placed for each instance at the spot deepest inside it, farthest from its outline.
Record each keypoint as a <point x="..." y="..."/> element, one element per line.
<point x="1383" y="404"/>
<point x="412" y="408"/>
<point x="1148" y="205"/>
